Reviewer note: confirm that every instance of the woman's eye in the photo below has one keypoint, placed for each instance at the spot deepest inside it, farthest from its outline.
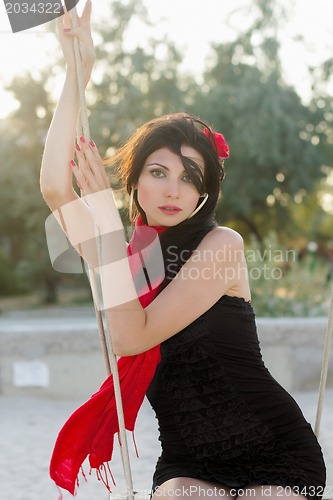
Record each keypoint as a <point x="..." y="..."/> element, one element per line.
<point x="187" y="178"/>
<point x="157" y="173"/>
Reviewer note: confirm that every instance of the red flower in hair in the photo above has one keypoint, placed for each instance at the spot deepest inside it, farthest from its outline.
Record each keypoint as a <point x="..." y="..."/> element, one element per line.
<point x="219" y="143"/>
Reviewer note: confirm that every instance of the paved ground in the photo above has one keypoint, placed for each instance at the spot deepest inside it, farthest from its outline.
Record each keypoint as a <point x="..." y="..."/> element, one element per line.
<point x="27" y="433"/>
<point x="28" y="428"/>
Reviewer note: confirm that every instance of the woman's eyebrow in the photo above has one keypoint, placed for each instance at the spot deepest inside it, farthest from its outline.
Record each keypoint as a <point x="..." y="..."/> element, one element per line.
<point x="159" y="164"/>
<point x="162" y="166"/>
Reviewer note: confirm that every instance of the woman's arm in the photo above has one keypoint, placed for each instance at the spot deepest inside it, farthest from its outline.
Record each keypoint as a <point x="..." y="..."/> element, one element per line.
<point x="56" y="173"/>
<point x="202" y="280"/>
<point x="56" y="176"/>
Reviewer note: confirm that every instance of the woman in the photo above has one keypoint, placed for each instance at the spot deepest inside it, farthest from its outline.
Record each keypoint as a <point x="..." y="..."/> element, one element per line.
<point x="227" y="428"/>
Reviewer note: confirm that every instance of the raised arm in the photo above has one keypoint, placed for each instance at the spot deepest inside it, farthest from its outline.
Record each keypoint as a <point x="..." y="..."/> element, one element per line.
<point x="56" y="172"/>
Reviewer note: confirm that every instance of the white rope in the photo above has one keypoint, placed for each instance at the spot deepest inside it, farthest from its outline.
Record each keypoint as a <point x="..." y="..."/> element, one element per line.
<point x="325" y="364"/>
<point x="109" y="356"/>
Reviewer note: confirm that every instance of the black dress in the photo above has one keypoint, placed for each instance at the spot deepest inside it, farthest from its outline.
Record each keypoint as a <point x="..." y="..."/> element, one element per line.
<point x="222" y="416"/>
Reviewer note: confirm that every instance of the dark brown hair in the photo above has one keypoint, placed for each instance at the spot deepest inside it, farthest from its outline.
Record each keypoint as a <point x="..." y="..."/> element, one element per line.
<point x="173" y="131"/>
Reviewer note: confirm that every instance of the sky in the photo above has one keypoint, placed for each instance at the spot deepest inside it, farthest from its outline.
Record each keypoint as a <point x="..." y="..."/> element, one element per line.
<point x="192" y="25"/>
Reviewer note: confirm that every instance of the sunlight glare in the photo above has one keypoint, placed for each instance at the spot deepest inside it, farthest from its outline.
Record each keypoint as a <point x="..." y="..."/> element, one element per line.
<point x="193" y="26"/>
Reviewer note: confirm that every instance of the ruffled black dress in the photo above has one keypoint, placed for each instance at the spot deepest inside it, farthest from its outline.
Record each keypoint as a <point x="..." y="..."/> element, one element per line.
<point x="222" y="416"/>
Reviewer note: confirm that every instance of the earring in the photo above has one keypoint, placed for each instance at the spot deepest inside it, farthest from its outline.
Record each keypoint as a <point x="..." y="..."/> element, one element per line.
<point x="200" y="206"/>
<point x="130" y="207"/>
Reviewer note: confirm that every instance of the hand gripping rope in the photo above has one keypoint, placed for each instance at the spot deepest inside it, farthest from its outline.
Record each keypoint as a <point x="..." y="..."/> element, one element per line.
<point x="106" y="341"/>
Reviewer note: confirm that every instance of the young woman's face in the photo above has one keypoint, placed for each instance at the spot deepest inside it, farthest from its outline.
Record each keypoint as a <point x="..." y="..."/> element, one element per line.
<point x="165" y="191"/>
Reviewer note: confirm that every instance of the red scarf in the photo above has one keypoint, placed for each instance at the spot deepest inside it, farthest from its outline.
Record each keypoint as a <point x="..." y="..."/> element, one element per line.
<point x="90" y="430"/>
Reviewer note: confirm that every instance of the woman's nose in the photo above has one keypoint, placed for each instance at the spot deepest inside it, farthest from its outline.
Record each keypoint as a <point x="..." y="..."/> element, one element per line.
<point x="172" y="189"/>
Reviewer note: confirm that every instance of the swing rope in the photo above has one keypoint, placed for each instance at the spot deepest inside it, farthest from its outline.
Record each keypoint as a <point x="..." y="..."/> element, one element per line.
<point x="107" y="349"/>
<point x="325" y="364"/>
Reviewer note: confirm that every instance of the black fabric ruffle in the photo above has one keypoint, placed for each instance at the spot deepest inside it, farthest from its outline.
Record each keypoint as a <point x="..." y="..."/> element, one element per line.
<point x="225" y="440"/>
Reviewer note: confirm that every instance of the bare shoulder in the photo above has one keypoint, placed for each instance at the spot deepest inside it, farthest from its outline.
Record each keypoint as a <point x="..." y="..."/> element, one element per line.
<point x="222" y="237"/>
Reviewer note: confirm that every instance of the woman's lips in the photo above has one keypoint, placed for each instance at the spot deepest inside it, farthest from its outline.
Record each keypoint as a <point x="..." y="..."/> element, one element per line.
<point x="170" y="209"/>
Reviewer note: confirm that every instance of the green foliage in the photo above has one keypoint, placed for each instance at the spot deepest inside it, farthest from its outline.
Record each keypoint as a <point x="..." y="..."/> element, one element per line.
<point x="277" y="143"/>
<point x="281" y="149"/>
<point x="134" y="85"/>
<point x="22" y="209"/>
<point x="8" y="281"/>
<point x="286" y="281"/>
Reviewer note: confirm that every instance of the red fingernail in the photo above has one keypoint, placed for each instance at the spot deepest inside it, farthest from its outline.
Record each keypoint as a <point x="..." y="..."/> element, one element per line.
<point x="82" y="139"/>
<point x="92" y="144"/>
<point x="73" y="163"/>
<point x="77" y="147"/>
<point x="77" y="182"/>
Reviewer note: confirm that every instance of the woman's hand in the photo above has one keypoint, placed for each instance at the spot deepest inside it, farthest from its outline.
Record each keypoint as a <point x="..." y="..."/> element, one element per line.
<point x="90" y="172"/>
<point x="83" y="32"/>
<point x="94" y="183"/>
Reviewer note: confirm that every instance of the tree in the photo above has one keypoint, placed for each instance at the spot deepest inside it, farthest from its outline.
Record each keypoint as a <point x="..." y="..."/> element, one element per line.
<point x="136" y="85"/>
<point x="22" y="209"/>
<point x="276" y="156"/>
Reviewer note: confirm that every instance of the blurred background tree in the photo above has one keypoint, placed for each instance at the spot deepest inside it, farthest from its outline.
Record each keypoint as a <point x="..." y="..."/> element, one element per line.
<point x="277" y="145"/>
<point x="22" y="210"/>
<point x="279" y="175"/>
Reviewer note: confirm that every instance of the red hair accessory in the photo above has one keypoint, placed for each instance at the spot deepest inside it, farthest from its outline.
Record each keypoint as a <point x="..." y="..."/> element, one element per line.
<point x="219" y="143"/>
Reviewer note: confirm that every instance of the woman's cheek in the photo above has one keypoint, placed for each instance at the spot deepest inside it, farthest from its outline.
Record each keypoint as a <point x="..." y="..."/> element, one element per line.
<point x="144" y="193"/>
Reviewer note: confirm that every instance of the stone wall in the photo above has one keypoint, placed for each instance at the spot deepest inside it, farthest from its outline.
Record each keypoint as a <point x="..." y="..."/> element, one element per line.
<point x="60" y="356"/>
<point x="293" y="349"/>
